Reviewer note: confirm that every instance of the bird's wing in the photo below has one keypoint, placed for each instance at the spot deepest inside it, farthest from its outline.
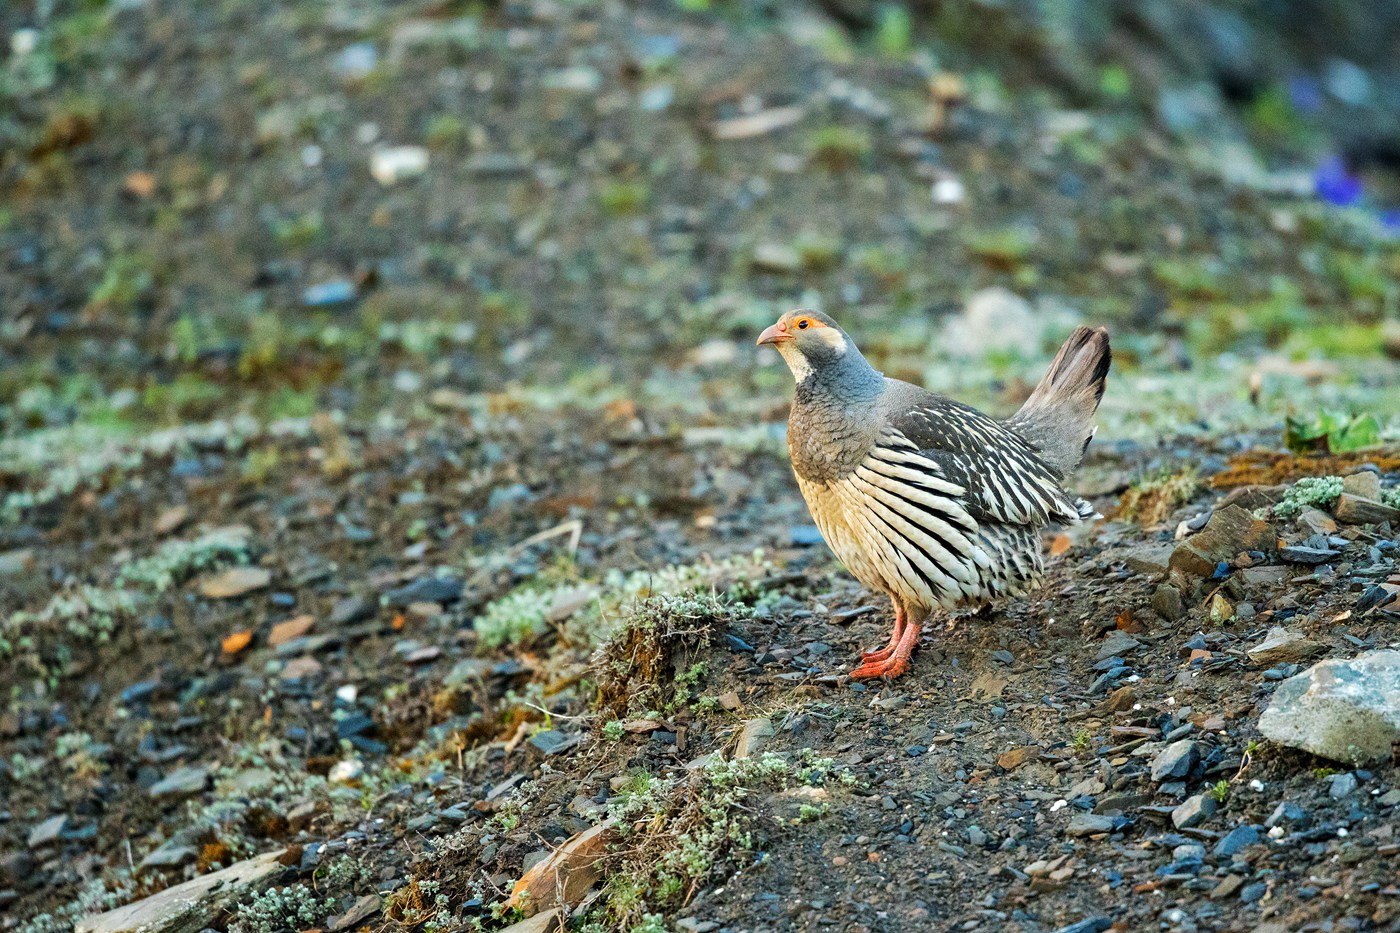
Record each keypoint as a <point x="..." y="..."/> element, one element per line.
<point x="1004" y="479"/>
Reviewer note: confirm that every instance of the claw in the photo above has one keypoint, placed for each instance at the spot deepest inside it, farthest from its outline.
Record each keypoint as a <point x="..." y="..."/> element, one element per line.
<point x="889" y="668"/>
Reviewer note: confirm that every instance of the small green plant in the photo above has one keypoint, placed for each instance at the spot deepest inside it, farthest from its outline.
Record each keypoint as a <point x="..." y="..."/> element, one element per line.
<point x="176" y="561"/>
<point x="1004" y="248"/>
<point x="623" y="198"/>
<point x="279" y="910"/>
<point x="1310" y="492"/>
<point x="1083" y="741"/>
<point x="894" y="31"/>
<point x="1324" y="773"/>
<point x="1220" y="791"/>
<point x="444" y="130"/>
<point x="1331" y="432"/>
<point x="808" y="813"/>
<point x="613" y="731"/>
<point x="299" y="232"/>
<point x="839" y="148"/>
<point x="127" y="281"/>
<point x="517" y="618"/>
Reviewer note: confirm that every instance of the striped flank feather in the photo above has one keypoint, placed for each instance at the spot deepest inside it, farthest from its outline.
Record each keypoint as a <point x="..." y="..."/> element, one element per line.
<point x="941" y="528"/>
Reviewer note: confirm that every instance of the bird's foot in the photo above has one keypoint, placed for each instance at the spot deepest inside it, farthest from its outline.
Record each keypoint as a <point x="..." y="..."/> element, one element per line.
<point x="895" y="663"/>
<point x="881" y="655"/>
<point x="889" y="668"/>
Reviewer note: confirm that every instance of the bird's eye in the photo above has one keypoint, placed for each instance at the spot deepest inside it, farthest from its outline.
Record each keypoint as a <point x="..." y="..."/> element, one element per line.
<point x="802" y="324"/>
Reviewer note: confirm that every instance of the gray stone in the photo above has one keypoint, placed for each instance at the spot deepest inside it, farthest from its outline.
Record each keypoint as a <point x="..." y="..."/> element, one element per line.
<point x="1091" y="824"/>
<point x="431" y="589"/>
<point x="47" y="832"/>
<point x="1149" y="559"/>
<point x="1342" y="785"/>
<point x="1286" y="812"/>
<point x="1167" y="603"/>
<point x="170" y="855"/>
<point x="1175" y="761"/>
<point x="756" y="734"/>
<point x="1283" y="645"/>
<point x="181" y="782"/>
<point x="1347" y="710"/>
<point x="1298" y="554"/>
<point x="1116" y="644"/>
<point x="1364" y="484"/>
<point x="1236" y="840"/>
<point x="1194" y="810"/>
<point x="553" y="742"/>
<point x="188" y="907"/>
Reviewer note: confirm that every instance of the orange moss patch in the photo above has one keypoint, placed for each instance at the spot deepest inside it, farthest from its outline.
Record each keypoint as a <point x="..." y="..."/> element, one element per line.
<point x="1271" y="468"/>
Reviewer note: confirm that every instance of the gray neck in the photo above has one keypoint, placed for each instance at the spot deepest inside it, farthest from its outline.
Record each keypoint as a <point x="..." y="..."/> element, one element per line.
<point x="835" y="417"/>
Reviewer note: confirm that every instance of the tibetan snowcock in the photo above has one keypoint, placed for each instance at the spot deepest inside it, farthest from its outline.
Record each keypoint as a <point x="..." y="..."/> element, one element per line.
<point x="925" y="498"/>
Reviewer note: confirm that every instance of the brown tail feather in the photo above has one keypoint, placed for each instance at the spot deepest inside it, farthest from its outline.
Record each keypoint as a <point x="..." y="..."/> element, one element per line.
<point x="1058" y="418"/>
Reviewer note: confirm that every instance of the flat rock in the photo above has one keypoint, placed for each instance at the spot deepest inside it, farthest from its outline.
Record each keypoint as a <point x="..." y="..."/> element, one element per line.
<point x="235" y="582"/>
<point x="284" y="632"/>
<point x="1283" y="645"/>
<point x="1345" y="709"/>
<point x="1363" y="484"/>
<point x="1229" y="531"/>
<point x="47" y="832"/>
<point x="1300" y="554"/>
<point x="1236" y="840"/>
<point x="181" y="782"/>
<point x="1167" y="602"/>
<point x="366" y="907"/>
<point x="561" y="878"/>
<point x="553" y="742"/>
<point x="1318" y="522"/>
<point x="756" y="734"/>
<point x="549" y="921"/>
<point x="1091" y="824"/>
<point x="1116" y="643"/>
<point x="1194" y="810"/>
<point x="189" y="907"/>
<point x="1175" y="761"/>
<point x="1149" y="559"/>
<point x="1355" y="510"/>
<point x="430" y="589"/>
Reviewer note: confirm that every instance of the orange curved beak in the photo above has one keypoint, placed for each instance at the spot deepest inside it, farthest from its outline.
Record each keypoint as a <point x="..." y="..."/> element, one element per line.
<point x="773" y="334"/>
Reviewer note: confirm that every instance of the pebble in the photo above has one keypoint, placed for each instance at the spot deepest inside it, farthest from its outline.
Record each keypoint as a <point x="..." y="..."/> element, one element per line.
<point x="1236" y="840"/>
<point x="1342" y="785"/>
<point x="1090" y="824"/>
<point x="47" y="832"/>
<point x="427" y="589"/>
<point x="1175" y="761"/>
<point x="180" y="783"/>
<point x="393" y="164"/>
<point x="1193" y="811"/>
<point x="553" y="742"/>
<point x="348" y="771"/>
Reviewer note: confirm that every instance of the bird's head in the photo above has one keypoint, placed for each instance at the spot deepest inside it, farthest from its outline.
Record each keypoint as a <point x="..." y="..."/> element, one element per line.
<point x="809" y="342"/>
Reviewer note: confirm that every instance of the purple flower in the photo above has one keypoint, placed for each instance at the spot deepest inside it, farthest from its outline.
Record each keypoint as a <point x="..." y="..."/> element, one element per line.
<point x="1336" y="184"/>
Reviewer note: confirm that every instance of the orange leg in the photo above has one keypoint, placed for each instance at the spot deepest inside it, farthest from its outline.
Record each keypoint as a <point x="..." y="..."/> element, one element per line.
<point x="897" y="663"/>
<point x="888" y="650"/>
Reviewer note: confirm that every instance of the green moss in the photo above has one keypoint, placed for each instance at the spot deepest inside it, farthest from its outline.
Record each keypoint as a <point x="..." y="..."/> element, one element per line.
<point x="1310" y="492"/>
<point x="279" y="910"/>
<point x="623" y="198"/>
<point x="839" y="148"/>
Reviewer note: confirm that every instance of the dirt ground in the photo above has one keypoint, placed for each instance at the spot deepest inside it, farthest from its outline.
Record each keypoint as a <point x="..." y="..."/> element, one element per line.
<point x="414" y="528"/>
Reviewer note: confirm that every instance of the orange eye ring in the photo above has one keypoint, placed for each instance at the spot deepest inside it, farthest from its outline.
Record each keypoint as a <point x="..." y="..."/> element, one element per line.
<point x="803" y="323"/>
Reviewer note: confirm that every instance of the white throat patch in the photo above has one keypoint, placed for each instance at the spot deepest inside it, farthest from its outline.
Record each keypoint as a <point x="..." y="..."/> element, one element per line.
<point x="796" y="362"/>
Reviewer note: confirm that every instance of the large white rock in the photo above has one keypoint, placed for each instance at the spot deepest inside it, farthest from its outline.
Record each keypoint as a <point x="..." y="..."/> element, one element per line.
<point x="188" y="907"/>
<point x="1345" y="709"/>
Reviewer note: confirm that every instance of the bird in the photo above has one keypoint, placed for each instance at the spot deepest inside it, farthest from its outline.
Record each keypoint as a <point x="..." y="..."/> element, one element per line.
<point x="924" y="498"/>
